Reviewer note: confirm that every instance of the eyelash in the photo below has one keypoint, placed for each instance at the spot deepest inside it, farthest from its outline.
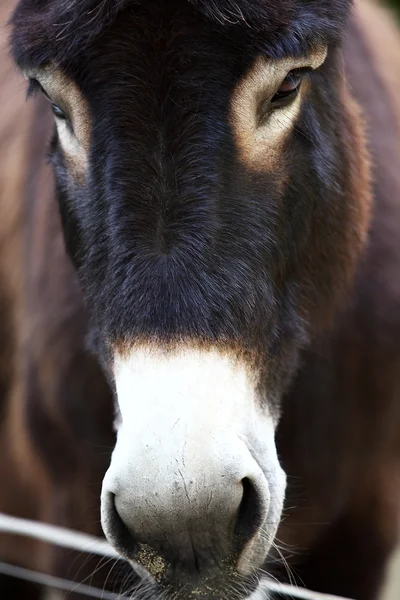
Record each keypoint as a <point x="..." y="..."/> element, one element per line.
<point x="34" y="88"/>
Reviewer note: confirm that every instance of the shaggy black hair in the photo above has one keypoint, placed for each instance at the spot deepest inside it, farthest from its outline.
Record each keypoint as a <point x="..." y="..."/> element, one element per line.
<point x="60" y="29"/>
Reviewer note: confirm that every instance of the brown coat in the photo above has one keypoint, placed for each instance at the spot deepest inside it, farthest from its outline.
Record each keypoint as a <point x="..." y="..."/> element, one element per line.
<point x="339" y="438"/>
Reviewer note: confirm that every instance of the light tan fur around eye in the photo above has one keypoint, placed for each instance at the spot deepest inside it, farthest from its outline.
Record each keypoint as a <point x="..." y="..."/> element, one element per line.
<point x="260" y="144"/>
<point x="65" y="93"/>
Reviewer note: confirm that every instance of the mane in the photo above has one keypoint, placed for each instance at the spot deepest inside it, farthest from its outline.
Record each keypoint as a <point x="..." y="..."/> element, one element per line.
<point x="59" y="30"/>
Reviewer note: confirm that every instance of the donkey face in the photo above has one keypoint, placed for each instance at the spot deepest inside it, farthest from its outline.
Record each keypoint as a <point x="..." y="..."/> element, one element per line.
<point x="206" y="185"/>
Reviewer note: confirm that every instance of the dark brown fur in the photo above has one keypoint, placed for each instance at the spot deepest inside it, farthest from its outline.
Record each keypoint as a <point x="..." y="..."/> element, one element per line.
<point x="338" y="439"/>
<point x="42" y="356"/>
<point x="344" y="412"/>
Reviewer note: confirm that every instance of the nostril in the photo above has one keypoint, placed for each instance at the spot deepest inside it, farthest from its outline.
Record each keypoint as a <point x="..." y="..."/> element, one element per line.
<point x="250" y="515"/>
<point x="119" y="533"/>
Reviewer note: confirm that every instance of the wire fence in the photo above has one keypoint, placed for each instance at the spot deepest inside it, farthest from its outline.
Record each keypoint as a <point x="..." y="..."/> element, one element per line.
<point x="81" y="542"/>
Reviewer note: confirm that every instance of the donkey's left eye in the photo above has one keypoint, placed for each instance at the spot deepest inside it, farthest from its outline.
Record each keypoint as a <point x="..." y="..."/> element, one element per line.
<point x="289" y="88"/>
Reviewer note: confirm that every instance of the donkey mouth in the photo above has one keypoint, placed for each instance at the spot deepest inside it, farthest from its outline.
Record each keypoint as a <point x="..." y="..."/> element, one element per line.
<point x="168" y="582"/>
<point x="202" y="571"/>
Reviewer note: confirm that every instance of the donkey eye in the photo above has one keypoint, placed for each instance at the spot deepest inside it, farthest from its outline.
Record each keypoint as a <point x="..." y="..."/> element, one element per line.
<point x="58" y="113"/>
<point x="289" y="88"/>
<point x="34" y="87"/>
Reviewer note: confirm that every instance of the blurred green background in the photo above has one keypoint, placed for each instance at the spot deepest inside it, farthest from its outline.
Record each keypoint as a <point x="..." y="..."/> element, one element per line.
<point x="395" y="3"/>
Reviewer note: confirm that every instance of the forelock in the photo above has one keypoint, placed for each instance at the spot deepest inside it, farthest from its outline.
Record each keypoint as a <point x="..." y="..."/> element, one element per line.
<point x="59" y="30"/>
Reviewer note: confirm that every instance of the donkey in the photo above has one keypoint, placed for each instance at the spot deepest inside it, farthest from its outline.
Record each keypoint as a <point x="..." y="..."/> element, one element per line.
<point x="224" y="317"/>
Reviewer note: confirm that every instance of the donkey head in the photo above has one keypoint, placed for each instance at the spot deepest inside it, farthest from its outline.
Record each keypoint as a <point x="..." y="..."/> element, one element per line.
<point x="214" y="201"/>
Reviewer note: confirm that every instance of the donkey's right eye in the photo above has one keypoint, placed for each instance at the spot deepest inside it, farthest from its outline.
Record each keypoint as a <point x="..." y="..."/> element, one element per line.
<point x="57" y="112"/>
<point x="34" y="87"/>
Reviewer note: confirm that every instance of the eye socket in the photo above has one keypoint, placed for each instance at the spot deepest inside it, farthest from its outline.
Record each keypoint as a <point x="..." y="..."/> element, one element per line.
<point x="289" y="88"/>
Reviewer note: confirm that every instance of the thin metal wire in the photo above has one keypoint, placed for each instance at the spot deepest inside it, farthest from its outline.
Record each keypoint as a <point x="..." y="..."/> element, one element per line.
<point x="56" y="582"/>
<point x="81" y="542"/>
<point x="87" y="590"/>
<point x="59" y="536"/>
<point x="294" y="592"/>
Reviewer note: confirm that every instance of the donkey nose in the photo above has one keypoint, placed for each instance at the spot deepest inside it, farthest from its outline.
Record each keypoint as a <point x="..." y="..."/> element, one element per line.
<point x="196" y="510"/>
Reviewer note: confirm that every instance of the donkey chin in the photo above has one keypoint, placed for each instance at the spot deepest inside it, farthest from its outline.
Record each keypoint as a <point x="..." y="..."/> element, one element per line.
<point x="194" y="492"/>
